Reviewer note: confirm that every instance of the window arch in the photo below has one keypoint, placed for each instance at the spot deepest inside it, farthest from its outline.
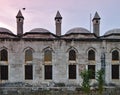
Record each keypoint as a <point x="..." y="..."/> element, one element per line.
<point x="28" y="55"/>
<point x="72" y="55"/>
<point x="3" y="55"/>
<point x="115" y="55"/>
<point x="48" y="55"/>
<point x="91" y="55"/>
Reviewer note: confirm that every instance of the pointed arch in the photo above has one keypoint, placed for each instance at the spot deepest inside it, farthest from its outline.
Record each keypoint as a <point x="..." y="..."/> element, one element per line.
<point x="48" y="48"/>
<point x="91" y="54"/>
<point x="72" y="54"/>
<point x="3" y="55"/>
<point x="3" y="48"/>
<point x="28" y="48"/>
<point x="28" y="54"/>
<point x="114" y="49"/>
<point x="72" y="48"/>
<point x="115" y="55"/>
<point x="91" y="48"/>
<point x="47" y="55"/>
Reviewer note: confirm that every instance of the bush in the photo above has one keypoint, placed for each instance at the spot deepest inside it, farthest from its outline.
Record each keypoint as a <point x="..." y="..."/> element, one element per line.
<point x="86" y="81"/>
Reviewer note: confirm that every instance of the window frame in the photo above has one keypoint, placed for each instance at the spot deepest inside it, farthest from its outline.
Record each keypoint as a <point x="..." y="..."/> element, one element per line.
<point x="72" y="55"/>
<point x="48" y="72"/>
<point x="28" y="71"/>
<point x="92" y="71"/>
<point x="114" y="75"/>
<point x="3" y="55"/>
<point x="114" y="54"/>
<point x="3" y="69"/>
<point x="47" y="53"/>
<point x="72" y="74"/>
<point x="91" y="55"/>
<point x="28" y="53"/>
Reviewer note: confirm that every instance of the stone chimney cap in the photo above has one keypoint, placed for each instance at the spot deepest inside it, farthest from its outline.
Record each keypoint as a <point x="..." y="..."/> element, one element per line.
<point x="19" y="15"/>
<point x="96" y="16"/>
<point x="58" y="15"/>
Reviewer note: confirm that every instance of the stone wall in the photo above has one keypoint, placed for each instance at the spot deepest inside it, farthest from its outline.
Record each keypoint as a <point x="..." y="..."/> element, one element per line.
<point x="16" y="59"/>
<point x="54" y="91"/>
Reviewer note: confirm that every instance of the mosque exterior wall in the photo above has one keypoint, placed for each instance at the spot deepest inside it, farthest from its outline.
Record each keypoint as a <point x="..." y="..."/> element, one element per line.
<point x="60" y="60"/>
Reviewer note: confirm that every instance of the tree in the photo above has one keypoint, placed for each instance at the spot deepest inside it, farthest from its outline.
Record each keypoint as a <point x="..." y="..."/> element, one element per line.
<point x="100" y="80"/>
<point x="86" y="80"/>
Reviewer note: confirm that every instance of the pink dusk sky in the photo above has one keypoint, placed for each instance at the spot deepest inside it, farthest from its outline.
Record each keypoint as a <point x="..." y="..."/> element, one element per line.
<point x="75" y="13"/>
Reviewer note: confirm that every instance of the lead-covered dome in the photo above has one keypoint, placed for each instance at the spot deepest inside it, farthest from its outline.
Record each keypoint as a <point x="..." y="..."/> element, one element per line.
<point x="113" y="31"/>
<point x="6" y="33"/>
<point x="39" y="33"/>
<point x="77" y="30"/>
<point x="39" y="30"/>
<point x="5" y="30"/>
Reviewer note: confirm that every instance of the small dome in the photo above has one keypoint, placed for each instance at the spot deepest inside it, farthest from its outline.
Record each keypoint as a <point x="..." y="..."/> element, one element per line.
<point x="4" y="30"/>
<point x="113" y="31"/>
<point x="78" y="30"/>
<point x="39" y="30"/>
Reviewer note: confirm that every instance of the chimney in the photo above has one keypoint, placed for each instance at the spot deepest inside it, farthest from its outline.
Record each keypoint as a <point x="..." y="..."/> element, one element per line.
<point x="20" y="21"/>
<point x="58" y="21"/>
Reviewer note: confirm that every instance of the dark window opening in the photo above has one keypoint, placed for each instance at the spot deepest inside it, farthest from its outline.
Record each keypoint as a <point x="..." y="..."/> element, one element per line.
<point x="115" y="55"/>
<point x="48" y="71"/>
<point x="91" y="55"/>
<point x="96" y="21"/>
<point x="19" y="19"/>
<point x="28" y="72"/>
<point x="4" y="55"/>
<point x="28" y="55"/>
<point x="72" y="55"/>
<point x="4" y="72"/>
<point x="48" y="55"/>
<point x="91" y="68"/>
<point x="115" y="71"/>
<point x="72" y="71"/>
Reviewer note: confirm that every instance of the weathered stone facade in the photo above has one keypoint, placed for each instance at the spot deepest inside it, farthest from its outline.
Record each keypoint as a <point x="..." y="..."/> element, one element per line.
<point x="39" y="40"/>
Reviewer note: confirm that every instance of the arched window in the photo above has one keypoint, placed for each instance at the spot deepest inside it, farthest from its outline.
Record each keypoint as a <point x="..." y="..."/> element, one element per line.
<point x="115" y="55"/>
<point x="48" y="67"/>
<point x="91" y="55"/>
<point x="28" y="55"/>
<point x="3" y="55"/>
<point x="48" y="55"/>
<point x="72" y="55"/>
